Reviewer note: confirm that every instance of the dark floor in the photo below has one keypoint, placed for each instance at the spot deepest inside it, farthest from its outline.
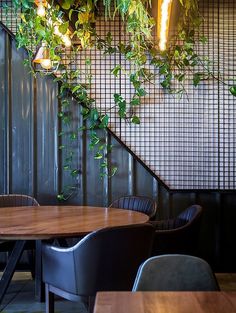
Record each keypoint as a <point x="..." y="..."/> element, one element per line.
<point x="20" y="296"/>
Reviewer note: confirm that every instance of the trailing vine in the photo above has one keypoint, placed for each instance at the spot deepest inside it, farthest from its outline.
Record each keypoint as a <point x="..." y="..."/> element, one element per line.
<point x="174" y="64"/>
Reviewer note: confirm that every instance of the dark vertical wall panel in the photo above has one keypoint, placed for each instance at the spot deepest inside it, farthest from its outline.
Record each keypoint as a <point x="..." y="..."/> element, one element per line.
<point x="21" y="128"/>
<point x="144" y="182"/>
<point x="227" y="232"/>
<point x="120" y="183"/>
<point x="46" y="141"/>
<point x="2" y="111"/>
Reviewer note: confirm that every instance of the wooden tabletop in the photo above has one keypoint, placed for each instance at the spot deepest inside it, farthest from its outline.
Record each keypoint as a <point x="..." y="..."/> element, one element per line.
<point x="165" y="302"/>
<point x="44" y="222"/>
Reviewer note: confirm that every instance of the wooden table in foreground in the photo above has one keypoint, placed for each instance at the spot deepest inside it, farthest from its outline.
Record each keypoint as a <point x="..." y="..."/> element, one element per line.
<point x="165" y="302"/>
<point x="48" y="222"/>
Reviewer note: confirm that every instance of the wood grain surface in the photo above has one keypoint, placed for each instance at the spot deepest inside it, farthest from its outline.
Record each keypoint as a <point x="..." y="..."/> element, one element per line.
<point x="46" y="222"/>
<point x="165" y="302"/>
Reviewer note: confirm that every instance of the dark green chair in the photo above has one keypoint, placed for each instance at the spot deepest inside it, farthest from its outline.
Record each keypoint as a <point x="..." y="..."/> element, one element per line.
<point x="175" y="272"/>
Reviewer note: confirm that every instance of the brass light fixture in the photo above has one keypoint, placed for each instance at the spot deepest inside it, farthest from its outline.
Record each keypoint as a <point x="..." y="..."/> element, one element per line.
<point x="42" y="58"/>
<point x="42" y="61"/>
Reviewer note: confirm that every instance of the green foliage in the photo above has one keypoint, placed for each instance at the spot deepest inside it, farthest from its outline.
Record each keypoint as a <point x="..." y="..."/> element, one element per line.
<point x="232" y="90"/>
<point x="139" y="51"/>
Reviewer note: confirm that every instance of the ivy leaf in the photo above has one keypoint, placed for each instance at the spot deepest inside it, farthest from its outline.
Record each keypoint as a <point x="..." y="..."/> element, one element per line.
<point x="74" y="173"/>
<point x="98" y="156"/>
<point x="203" y="39"/>
<point x="135" y="120"/>
<point x="163" y="69"/>
<point x="64" y="27"/>
<point x="76" y="88"/>
<point x="114" y="170"/>
<point x="196" y="79"/>
<point x="116" y="70"/>
<point x="104" y="121"/>
<point x="66" y="4"/>
<point x="70" y="13"/>
<point x="65" y="103"/>
<point x="25" y="4"/>
<point x="165" y="84"/>
<point x="84" y="111"/>
<point x="124" y="5"/>
<point x="73" y="136"/>
<point x="94" y="115"/>
<point x="122" y="48"/>
<point x="60" y="114"/>
<point x="180" y="77"/>
<point x="94" y="140"/>
<point x="157" y="62"/>
<point x="141" y="92"/>
<point x="135" y="101"/>
<point x="61" y="197"/>
<point x="103" y="165"/>
<point x="41" y="32"/>
<point x="120" y="101"/>
<point x="88" y="61"/>
<point x="232" y="90"/>
<point x="109" y="38"/>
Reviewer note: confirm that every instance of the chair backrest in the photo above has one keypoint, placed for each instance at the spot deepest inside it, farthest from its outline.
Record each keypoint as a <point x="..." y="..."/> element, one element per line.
<point x="191" y="214"/>
<point x="17" y="200"/>
<point x="137" y="203"/>
<point x="178" y="235"/>
<point x="175" y="272"/>
<point x="105" y="260"/>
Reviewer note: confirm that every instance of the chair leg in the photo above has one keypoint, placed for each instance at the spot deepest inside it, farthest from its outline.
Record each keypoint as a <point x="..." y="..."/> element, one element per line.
<point x="49" y="298"/>
<point x="31" y="260"/>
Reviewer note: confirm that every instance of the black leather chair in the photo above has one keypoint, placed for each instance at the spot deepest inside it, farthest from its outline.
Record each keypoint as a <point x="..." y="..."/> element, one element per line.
<point x="137" y="203"/>
<point x="105" y="260"/>
<point x="178" y="235"/>
<point x="10" y="200"/>
<point x="175" y="272"/>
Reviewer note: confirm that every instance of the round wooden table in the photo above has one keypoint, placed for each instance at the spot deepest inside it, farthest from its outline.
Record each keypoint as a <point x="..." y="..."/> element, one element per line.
<point x="47" y="222"/>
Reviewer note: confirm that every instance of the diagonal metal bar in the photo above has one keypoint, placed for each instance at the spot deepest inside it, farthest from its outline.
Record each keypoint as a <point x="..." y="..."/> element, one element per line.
<point x="11" y="266"/>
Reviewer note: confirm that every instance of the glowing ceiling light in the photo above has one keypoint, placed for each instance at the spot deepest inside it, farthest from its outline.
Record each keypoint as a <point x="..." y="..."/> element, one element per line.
<point x="164" y="19"/>
<point x="66" y="40"/>
<point x="41" y="4"/>
<point x="41" y="10"/>
<point x="46" y="64"/>
<point x="56" y="30"/>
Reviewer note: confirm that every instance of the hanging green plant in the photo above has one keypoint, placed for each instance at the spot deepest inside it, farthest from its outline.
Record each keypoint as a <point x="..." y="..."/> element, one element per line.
<point x="71" y="22"/>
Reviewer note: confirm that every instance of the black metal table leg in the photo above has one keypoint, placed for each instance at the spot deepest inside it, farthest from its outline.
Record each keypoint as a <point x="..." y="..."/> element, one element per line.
<point x="11" y="266"/>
